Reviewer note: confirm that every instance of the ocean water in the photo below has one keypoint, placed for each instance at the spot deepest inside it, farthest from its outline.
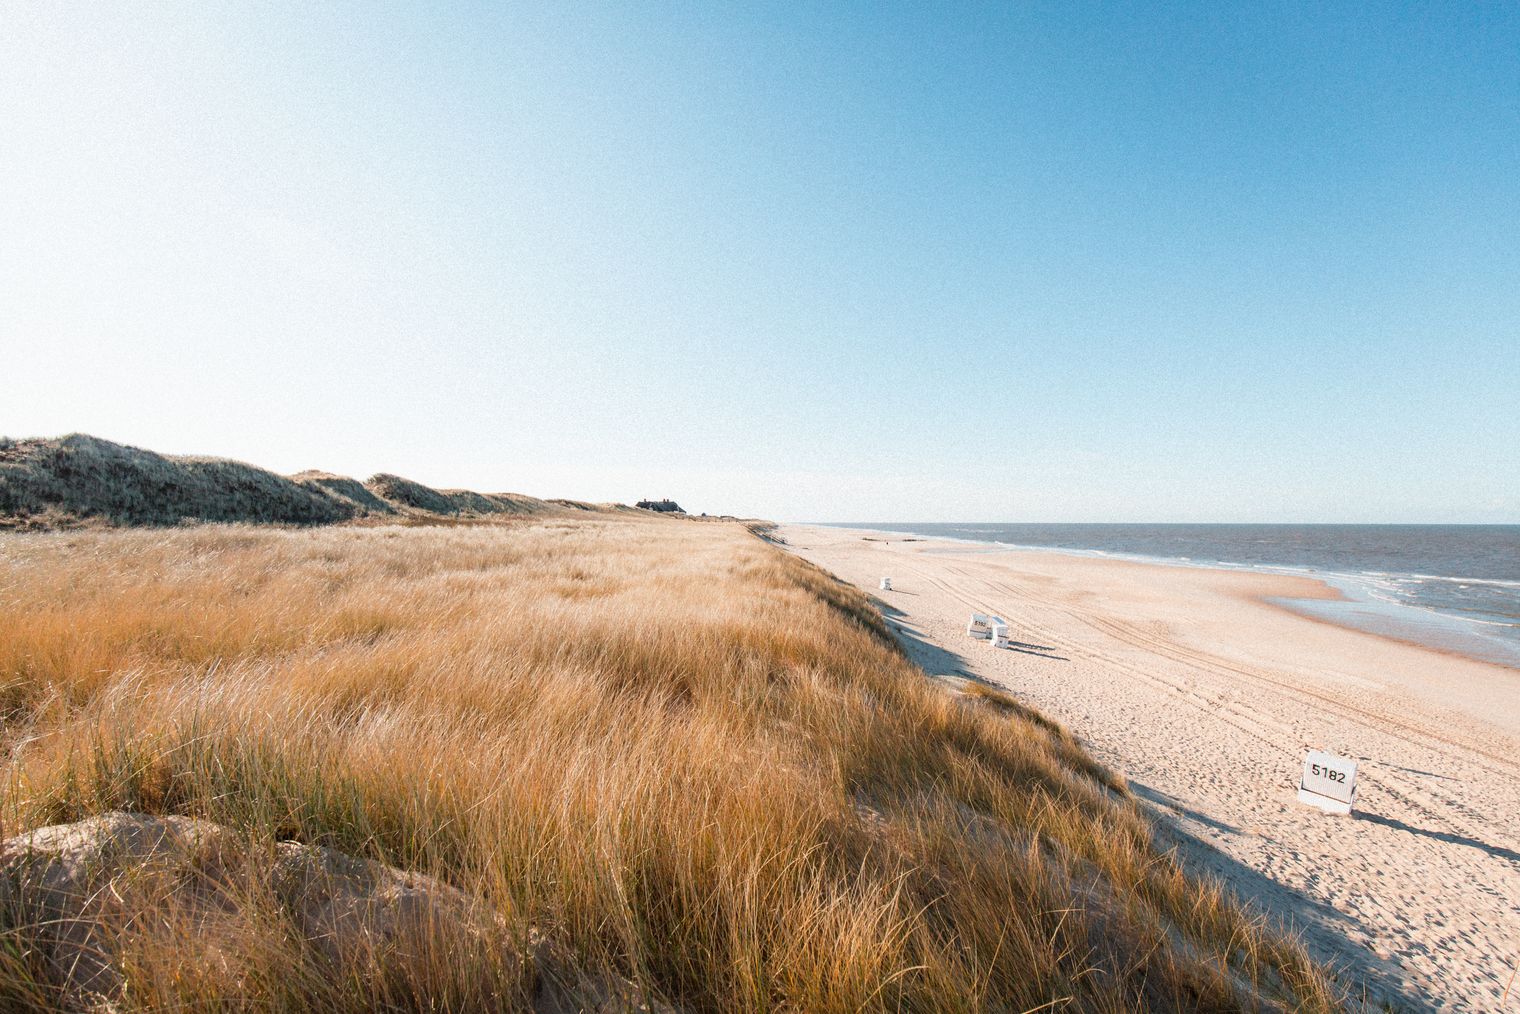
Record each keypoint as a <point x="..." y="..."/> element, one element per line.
<point x="1454" y="587"/>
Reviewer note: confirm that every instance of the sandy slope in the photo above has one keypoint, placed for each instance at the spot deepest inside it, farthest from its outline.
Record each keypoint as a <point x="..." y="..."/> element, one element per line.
<point x="1206" y="699"/>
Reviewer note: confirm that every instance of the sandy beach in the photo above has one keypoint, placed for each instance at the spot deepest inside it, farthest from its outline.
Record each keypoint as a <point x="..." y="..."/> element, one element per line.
<point x="1206" y="698"/>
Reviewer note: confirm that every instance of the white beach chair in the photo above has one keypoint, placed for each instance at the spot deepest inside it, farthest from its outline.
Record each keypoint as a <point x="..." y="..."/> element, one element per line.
<point x="979" y="627"/>
<point x="886" y="584"/>
<point x="998" y="632"/>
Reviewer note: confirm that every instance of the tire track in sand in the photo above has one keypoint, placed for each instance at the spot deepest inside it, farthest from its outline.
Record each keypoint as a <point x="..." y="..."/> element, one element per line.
<point x="1222" y="710"/>
<point x="1443" y="808"/>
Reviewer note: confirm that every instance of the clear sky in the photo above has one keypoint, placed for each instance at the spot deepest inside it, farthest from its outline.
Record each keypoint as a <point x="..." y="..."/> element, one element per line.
<point x="807" y="261"/>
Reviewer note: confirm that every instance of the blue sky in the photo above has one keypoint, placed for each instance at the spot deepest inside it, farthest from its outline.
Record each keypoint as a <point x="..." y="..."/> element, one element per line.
<point x="928" y="262"/>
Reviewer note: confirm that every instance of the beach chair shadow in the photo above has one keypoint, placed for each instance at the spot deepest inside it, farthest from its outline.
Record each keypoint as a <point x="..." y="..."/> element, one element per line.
<point x="1497" y="851"/>
<point x="1037" y="650"/>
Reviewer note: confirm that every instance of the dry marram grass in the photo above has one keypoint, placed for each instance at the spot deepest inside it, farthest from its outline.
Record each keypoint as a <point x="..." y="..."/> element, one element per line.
<point x="687" y="759"/>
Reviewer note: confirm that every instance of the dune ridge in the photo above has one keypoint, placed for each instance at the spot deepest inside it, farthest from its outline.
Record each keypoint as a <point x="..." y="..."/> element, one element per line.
<point x="80" y="479"/>
<point x="590" y="760"/>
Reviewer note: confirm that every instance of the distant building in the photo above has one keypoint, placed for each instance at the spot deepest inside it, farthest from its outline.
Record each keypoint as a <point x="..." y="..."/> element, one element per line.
<point x="663" y="506"/>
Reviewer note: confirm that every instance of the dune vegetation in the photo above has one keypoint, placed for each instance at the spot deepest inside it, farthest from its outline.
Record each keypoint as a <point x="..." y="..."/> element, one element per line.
<point x="78" y="479"/>
<point x="679" y="767"/>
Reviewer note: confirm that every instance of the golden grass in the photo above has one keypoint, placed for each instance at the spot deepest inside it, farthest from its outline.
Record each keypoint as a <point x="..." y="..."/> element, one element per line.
<point x="678" y="753"/>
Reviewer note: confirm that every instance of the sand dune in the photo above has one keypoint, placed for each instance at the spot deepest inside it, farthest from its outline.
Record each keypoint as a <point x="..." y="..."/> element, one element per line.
<point x="1206" y="698"/>
<point x="634" y="760"/>
<point x="80" y="479"/>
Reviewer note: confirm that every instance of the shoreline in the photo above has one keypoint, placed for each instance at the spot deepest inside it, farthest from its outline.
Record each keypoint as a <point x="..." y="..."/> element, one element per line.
<point x="1205" y="696"/>
<point x="1326" y="592"/>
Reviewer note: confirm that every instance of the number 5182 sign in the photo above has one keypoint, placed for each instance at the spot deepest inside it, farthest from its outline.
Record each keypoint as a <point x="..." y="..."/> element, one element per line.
<point x="1329" y="782"/>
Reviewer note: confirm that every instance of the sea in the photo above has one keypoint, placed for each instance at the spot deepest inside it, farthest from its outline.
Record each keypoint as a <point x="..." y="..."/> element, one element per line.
<point x="1452" y="587"/>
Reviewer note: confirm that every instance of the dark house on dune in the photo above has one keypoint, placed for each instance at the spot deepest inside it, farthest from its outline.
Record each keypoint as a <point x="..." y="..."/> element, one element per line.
<point x="663" y="506"/>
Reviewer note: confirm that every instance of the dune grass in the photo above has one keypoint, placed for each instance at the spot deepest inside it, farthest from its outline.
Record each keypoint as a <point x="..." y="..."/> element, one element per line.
<point x="79" y="480"/>
<point x="682" y="756"/>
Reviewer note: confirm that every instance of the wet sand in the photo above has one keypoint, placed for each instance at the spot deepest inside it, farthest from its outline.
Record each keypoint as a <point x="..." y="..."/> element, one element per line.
<point x="1206" y="696"/>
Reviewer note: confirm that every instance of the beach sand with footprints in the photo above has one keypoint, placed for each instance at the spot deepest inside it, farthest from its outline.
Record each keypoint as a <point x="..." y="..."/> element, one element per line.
<point x="1206" y="697"/>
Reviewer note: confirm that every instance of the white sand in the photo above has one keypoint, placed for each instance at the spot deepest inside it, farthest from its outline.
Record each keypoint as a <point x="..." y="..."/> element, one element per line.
<point x="1207" y="698"/>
